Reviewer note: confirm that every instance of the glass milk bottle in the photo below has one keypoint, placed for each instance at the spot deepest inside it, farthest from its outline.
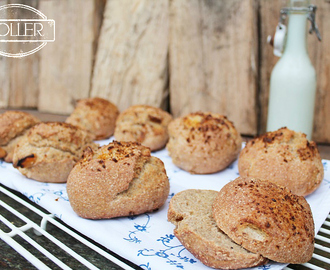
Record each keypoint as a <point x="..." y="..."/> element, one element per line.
<point x="293" y="79"/>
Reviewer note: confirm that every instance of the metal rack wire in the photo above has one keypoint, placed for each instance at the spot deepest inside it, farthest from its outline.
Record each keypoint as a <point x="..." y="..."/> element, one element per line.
<point x="15" y="224"/>
<point x="26" y="225"/>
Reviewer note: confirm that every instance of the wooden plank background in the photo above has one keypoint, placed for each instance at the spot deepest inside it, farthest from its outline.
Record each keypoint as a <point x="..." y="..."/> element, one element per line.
<point x="131" y="60"/>
<point x="181" y="55"/>
<point x="213" y="59"/>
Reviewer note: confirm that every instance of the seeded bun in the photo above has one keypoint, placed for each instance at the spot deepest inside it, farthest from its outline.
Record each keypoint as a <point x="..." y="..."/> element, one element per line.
<point x="143" y="124"/>
<point x="118" y="179"/>
<point x="48" y="151"/>
<point x="191" y="213"/>
<point x="284" y="157"/>
<point x="267" y="219"/>
<point x="203" y="143"/>
<point x="96" y="115"/>
<point x="13" y="125"/>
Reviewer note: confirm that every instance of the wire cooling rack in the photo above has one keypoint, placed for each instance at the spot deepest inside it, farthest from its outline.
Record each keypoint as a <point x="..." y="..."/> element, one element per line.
<point x="44" y="242"/>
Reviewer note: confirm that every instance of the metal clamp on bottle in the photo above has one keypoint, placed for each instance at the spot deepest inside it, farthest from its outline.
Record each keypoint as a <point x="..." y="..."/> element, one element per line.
<point x="311" y="18"/>
<point x="279" y="38"/>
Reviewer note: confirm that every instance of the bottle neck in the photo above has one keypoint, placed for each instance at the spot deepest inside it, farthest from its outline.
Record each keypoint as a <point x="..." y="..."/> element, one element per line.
<point x="296" y="42"/>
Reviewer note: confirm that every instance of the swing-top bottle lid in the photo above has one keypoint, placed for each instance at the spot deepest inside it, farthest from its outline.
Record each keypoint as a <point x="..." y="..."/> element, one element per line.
<point x="293" y="6"/>
<point x="302" y="6"/>
<point x="298" y="3"/>
<point x="297" y="6"/>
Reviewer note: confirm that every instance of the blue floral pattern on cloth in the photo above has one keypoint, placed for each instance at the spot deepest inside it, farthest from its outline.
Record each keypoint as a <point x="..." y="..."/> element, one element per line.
<point x="36" y="197"/>
<point x="326" y="180"/>
<point x="2" y="164"/>
<point x="172" y="254"/>
<point x="61" y="194"/>
<point x="264" y="267"/>
<point x="132" y="236"/>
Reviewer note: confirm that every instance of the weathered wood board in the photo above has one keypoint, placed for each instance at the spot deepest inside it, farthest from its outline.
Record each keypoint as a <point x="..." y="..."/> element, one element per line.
<point x="4" y="82"/>
<point x="131" y="62"/>
<point x="19" y="76"/>
<point x="66" y="65"/>
<point x="213" y="59"/>
<point x="4" y="67"/>
<point x="320" y="56"/>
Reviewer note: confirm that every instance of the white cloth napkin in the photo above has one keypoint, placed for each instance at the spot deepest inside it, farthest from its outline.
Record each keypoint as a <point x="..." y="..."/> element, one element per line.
<point x="147" y="240"/>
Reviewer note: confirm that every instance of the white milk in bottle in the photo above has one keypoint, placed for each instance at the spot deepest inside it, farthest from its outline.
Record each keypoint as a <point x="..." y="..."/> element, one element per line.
<point x="293" y="79"/>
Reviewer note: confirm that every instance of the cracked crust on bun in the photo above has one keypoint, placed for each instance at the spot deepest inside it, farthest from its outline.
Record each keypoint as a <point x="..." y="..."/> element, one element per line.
<point x="118" y="179"/>
<point x="265" y="218"/>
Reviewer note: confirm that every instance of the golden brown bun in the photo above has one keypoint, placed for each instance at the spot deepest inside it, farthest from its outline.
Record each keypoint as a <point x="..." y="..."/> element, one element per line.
<point x="191" y="212"/>
<point x="284" y="157"/>
<point x="118" y="179"/>
<point x="96" y="115"/>
<point x="48" y="151"/>
<point x="144" y="124"/>
<point x="203" y="142"/>
<point x="13" y="125"/>
<point x="267" y="219"/>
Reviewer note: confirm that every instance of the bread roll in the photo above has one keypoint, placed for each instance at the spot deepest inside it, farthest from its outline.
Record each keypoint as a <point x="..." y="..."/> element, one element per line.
<point x="267" y="219"/>
<point x="118" y="179"/>
<point x="143" y="124"/>
<point x="48" y="151"/>
<point x="203" y="142"/>
<point x="191" y="212"/>
<point x="96" y="115"/>
<point x="284" y="157"/>
<point x="13" y="125"/>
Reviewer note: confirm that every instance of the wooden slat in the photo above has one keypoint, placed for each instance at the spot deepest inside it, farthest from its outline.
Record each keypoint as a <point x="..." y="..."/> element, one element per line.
<point x="4" y="67"/>
<point x="19" y="77"/>
<point x="131" y="63"/>
<point x="320" y="56"/>
<point x="66" y="64"/>
<point x="213" y="59"/>
<point x="4" y="79"/>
